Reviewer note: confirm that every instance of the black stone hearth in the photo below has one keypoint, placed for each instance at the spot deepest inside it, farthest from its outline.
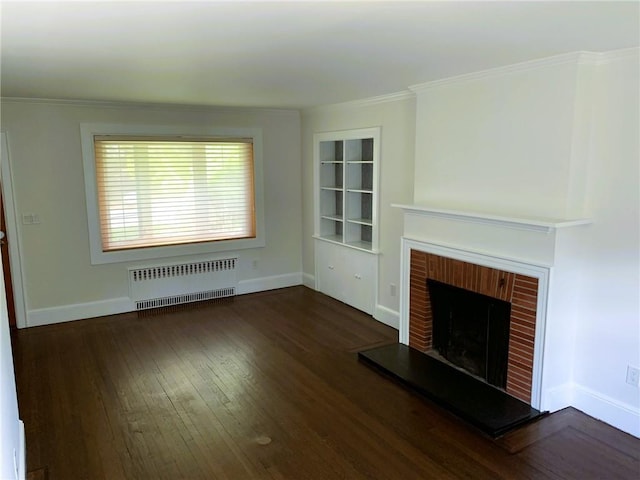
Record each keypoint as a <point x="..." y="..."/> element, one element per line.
<point x="486" y="407"/>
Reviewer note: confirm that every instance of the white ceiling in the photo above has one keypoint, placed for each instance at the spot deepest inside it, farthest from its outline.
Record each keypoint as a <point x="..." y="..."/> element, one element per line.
<point x="284" y="54"/>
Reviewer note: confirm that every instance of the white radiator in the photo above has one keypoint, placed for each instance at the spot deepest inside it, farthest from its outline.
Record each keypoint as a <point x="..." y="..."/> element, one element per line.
<point x="172" y="284"/>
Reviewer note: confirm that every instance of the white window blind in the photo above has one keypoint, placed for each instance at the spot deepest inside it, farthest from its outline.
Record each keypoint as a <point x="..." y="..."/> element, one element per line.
<point x="171" y="191"/>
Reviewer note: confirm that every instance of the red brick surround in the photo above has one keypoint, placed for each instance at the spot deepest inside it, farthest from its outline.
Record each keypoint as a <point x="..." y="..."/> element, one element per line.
<point x="520" y="290"/>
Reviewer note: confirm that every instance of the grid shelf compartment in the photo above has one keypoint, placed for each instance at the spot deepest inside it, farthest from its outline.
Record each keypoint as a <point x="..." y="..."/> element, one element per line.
<point x="346" y="181"/>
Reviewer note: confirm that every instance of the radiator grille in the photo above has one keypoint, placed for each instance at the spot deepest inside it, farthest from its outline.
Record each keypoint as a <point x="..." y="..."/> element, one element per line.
<point x="188" y="298"/>
<point x="172" y="284"/>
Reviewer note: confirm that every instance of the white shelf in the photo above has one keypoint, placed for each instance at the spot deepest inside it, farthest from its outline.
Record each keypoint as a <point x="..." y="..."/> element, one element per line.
<point x="346" y="168"/>
<point x="330" y="238"/>
<point x="511" y="221"/>
<point x="361" y="221"/>
<point x="360" y="245"/>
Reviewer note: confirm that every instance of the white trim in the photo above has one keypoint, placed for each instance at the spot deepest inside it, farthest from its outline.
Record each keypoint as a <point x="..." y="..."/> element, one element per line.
<point x="148" y="105"/>
<point x="621" y="415"/>
<point x="309" y="281"/>
<point x="13" y="235"/>
<point x="486" y="253"/>
<point x="584" y="57"/>
<point x="405" y="294"/>
<point x="114" y="306"/>
<point x="362" y="103"/>
<point x="79" y="311"/>
<point x="387" y="316"/>
<point x="604" y="58"/>
<point x="349" y="245"/>
<point x="562" y="59"/>
<point x="557" y="398"/>
<point x="542" y="224"/>
<point x="579" y="58"/>
<point x="269" y="283"/>
<point x="88" y="130"/>
<point x="537" y="271"/>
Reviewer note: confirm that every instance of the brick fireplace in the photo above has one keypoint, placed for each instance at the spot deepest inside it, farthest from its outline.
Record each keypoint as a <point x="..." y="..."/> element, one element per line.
<point x="518" y="289"/>
<point x="506" y="258"/>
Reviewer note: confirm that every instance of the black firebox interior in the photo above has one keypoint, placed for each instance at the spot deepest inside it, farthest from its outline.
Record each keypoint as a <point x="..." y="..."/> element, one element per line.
<point x="471" y="331"/>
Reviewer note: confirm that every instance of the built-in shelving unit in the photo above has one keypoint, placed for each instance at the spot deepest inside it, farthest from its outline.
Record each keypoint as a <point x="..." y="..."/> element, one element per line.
<point x="346" y="193"/>
<point x="346" y="215"/>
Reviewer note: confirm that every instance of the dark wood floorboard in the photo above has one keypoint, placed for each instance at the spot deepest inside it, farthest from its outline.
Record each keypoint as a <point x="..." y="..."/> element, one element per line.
<point x="266" y="386"/>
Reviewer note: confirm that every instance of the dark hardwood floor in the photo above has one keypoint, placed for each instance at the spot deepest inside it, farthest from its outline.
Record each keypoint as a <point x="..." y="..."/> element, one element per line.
<point x="266" y="386"/>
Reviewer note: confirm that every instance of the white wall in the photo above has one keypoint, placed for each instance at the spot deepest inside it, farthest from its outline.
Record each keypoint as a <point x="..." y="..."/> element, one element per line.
<point x="607" y="333"/>
<point x="45" y="153"/>
<point x="11" y="429"/>
<point x="499" y="142"/>
<point x="396" y="116"/>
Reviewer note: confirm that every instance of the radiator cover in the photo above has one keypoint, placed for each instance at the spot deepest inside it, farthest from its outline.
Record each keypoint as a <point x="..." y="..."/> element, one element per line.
<point x="171" y="284"/>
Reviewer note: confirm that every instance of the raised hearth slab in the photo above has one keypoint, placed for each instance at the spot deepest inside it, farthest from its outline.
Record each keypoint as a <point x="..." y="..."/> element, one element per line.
<point x="484" y="406"/>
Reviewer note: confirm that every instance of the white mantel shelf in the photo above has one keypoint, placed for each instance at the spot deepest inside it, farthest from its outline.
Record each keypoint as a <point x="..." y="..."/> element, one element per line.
<point x="540" y="224"/>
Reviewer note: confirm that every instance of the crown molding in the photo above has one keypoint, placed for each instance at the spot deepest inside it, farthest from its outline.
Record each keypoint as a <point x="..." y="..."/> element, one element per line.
<point x="615" y="55"/>
<point x="578" y="58"/>
<point x="146" y="105"/>
<point x="365" y="102"/>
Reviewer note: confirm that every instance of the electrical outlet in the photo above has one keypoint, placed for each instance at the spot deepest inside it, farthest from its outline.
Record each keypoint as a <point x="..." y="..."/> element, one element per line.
<point x="254" y="264"/>
<point x="633" y="376"/>
<point x="392" y="289"/>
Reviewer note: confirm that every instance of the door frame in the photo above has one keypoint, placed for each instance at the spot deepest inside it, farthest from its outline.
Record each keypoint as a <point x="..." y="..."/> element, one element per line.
<point x="13" y="234"/>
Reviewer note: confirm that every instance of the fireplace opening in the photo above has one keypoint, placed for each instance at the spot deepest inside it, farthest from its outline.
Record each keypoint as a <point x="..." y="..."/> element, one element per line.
<point x="471" y="331"/>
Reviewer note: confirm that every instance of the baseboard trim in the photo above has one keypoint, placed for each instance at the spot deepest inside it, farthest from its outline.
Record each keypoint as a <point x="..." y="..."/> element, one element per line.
<point x="557" y="398"/>
<point x="623" y="416"/>
<point x="269" y="283"/>
<point x="387" y="316"/>
<point x="79" y="311"/>
<point x="309" y="281"/>
<point x="620" y="415"/>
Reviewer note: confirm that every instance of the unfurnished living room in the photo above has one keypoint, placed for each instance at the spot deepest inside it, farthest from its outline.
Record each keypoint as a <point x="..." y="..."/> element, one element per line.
<point x="319" y="240"/>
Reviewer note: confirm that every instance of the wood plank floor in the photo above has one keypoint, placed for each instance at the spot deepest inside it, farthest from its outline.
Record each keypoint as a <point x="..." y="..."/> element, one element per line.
<point x="266" y="386"/>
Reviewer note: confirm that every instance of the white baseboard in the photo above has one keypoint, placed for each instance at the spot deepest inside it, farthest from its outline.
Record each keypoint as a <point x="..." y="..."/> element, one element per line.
<point x="79" y="311"/>
<point x="620" y="415"/>
<point x="269" y="283"/>
<point x="309" y="280"/>
<point x="387" y="316"/>
<point x="557" y="398"/>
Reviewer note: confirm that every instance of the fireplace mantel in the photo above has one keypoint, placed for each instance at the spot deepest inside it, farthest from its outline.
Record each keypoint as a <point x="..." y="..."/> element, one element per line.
<point x="540" y="224"/>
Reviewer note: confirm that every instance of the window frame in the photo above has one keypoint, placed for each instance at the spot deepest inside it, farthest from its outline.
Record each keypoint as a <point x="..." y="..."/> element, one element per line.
<point x="99" y="257"/>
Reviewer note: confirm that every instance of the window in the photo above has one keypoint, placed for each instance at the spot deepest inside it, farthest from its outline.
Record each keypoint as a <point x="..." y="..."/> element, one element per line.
<point x="154" y="192"/>
<point x="161" y="194"/>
